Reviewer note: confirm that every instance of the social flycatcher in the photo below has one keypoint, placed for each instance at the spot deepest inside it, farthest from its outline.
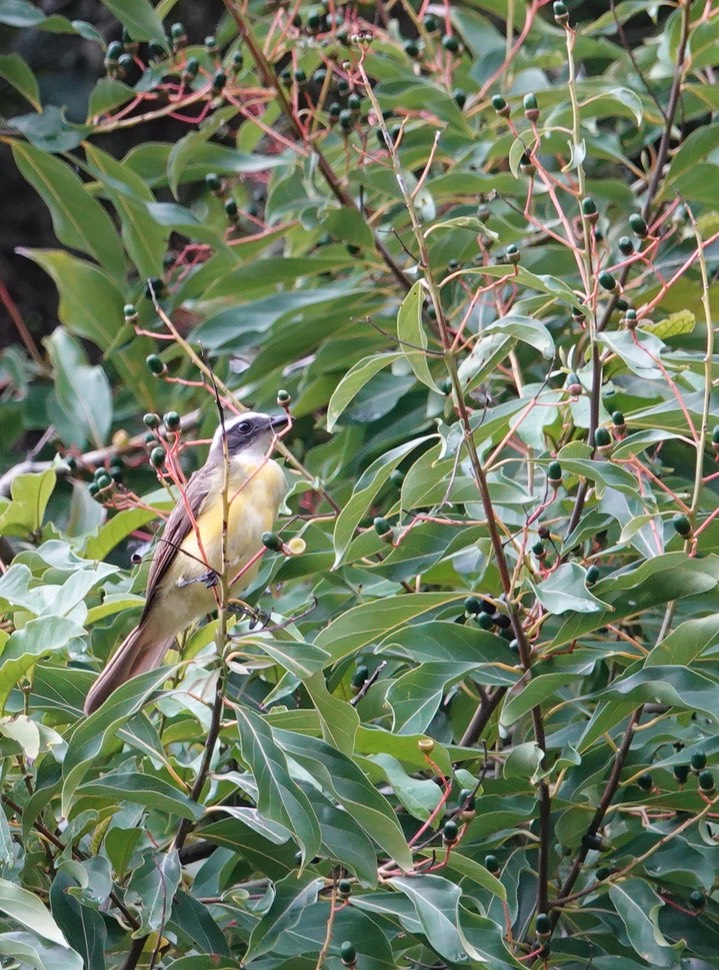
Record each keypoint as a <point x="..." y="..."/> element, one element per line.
<point x="189" y="550"/>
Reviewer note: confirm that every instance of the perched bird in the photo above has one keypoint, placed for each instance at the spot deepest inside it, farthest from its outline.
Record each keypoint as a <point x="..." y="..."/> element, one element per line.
<point x="189" y="551"/>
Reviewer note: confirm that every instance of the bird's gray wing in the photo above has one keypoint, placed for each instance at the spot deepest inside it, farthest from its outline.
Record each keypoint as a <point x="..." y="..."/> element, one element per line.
<point x="176" y="528"/>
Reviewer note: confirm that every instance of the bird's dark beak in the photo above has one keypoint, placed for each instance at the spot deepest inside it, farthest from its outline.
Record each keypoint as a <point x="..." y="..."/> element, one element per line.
<point x="279" y="421"/>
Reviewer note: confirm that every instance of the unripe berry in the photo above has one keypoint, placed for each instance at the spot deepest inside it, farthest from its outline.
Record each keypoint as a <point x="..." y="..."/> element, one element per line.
<point x="348" y="954"/>
<point x="130" y="313"/>
<point x="485" y="621"/>
<point x="531" y="110"/>
<point x="607" y="281"/>
<point x="411" y="48"/>
<point x="213" y="183"/>
<point x="526" y="165"/>
<point x="699" y="761"/>
<point x="602" y="439"/>
<point x="460" y="97"/>
<point x="383" y="529"/>
<point x="592" y="574"/>
<point x="211" y="45"/>
<point x="155" y="365"/>
<point x="359" y="678"/>
<point x="645" y="782"/>
<point x="192" y="67"/>
<point x="618" y="419"/>
<point x="450" y="43"/>
<point x="218" y="81"/>
<point x="271" y="541"/>
<point x="630" y="318"/>
<point x="467" y="799"/>
<point x="426" y="745"/>
<point x="231" y="209"/>
<point x="103" y="480"/>
<point x="638" y="225"/>
<point x="172" y="420"/>
<point x="697" y="899"/>
<point x="561" y="15"/>
<point x="589" y="210"/>
<point x="490" y="862"/>
<point x="539" y="551"/>
<point x="682" y="526"/>
<point x="344" y="889"/>
<point x="500" y="105"/>
<point x="151" y="420"/>
<point x="157" y="456"/>
<point x="513" y="254"/>
<point x="554" y="474"/>
<point x="430" y="24"/>
<point x="114" y="52"/>
<point x="681" y="773"/>
<point x="706" y="781"/>
<point x="450" y="832"/>
<point x="626" y="246"/>
<point x="283" y="398"/>
<point x="543" y="925"/>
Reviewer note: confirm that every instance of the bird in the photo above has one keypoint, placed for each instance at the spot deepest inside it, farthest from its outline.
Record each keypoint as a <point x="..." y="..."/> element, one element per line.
<point x="188" y="555"/>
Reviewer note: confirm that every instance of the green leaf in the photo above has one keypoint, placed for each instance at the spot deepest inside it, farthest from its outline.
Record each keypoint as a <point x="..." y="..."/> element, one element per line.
<point x="26" y="512"/>
<point x="20" y="13"/>
<point x="83" y="393"/>
<point x="342" y="778"/>
<point x="139" y="17"/>
<point x="291" y="896"/>
<point x="90" y="301"/>
<point x="338" y="718"/>
<point x="142" y="789"/>
<point x="638" y="906"/>
<point x="412" y="336"/>
<point x="38" y="638"/>
<point x="280" y="799"/>
<point x="79" y="221"/>
<point x="38" y="954"/>
<point x="191" y="919"/>
<point x="83" y="926"/>
<point x="675" y="325"/>
<point x="415" y="696"/>
<point x="152" y="887"/>
<point x="365" y="624"/>
<point x="15" y="70"/>
<point x="436" y="902"/>
<point x="565" y="589"/>
<point x="27" y="910"/>
<point x="352" y="383"/>
<point x="343" y="839"/>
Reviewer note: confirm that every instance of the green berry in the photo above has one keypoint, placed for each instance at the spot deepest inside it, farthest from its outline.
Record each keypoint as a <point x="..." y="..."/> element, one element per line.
<point x="151" y="420"/>
<point x="539" y="551"/>
<point x="604" y="872"/>
<point x="588" y="207"/>
<point x="531" y="109"/>
<point x="103" y="480"/>
<point x="283" y="397"/>
<point x="561" y="15"/>
<point x="125" y="62"/>
<point x="450" y="43"/>
<point x="543" y="924"/>
<point x="130" y="312"/>
<point x="699" y="760"/>
<point x="485" y="621"/>
<point x="359" y="677"/>
<point x="618" y="419"/>
<point x="472" y="605"/>
<point x="430" y="24"/>
<point x="645" y="782"/>
<point x="314" y="21"/>
<point x="191" y="67"/>
<point x="554" y="473"/>
<point x="154" y="286"/>
<point x="231" y="209"/>
<point x="93" y="488"/>
<point x="213" y="182"/>
<point x="460" y="97"/>
<point x="602" y="438"/>
<point x="344" y="888"/>
<point x="630" y="318"/>
<point x="238" y="59"/>
<point x="607" y="281"/>
<point x="450" y="832"/>
<point x="683" y="527"/>
<point x="177" y="30"/>
<point x="514" y="646"/>
<point x="697" y="899"/>
<point x="172" y="420"/>
<point x="513" y="254"/>
<point x="500" y="105"/>
<point x="211" y="44"/>
<point x="157" y="50"/>
<point x="411" y="48"/>
<point x="382" y="526"/>
<point x="526" y="165"/>
<point x="592" y="574"/>
<point x="114" y="52"/>
<point x="155" y="365"/>
<point x="319" y="76"/>
<point x="638" y="225"/>
<point x="346" y="120"/>
<point x="706" y="780"/>
<point x="354" y="103"/>
<point x="626" y="246"/>
<point x="271" y="541"/>
<point x="219" y="81"/>
<point x="343" y="85"/>
<point x="300" y="76"/>
<point x="157" y="456"/>
<point x="490" y="862"/>
<point x="348" y="954"/>
<point x="150" y="439"/>
<point x="467" y="800"/>
<point x="681" y="773"/>
<point x="592" y="841"/>
<point x="335" y="109"/>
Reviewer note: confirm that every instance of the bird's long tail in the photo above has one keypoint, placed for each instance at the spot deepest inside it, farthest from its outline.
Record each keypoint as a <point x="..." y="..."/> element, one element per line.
<point x="141" y="650"/>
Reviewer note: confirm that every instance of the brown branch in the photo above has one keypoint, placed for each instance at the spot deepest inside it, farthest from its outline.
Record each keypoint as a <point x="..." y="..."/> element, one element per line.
<point x="21" y="327"/>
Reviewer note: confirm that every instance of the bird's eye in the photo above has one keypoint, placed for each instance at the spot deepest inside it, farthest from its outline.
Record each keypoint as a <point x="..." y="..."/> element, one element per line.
<point x="244" y="427"/>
